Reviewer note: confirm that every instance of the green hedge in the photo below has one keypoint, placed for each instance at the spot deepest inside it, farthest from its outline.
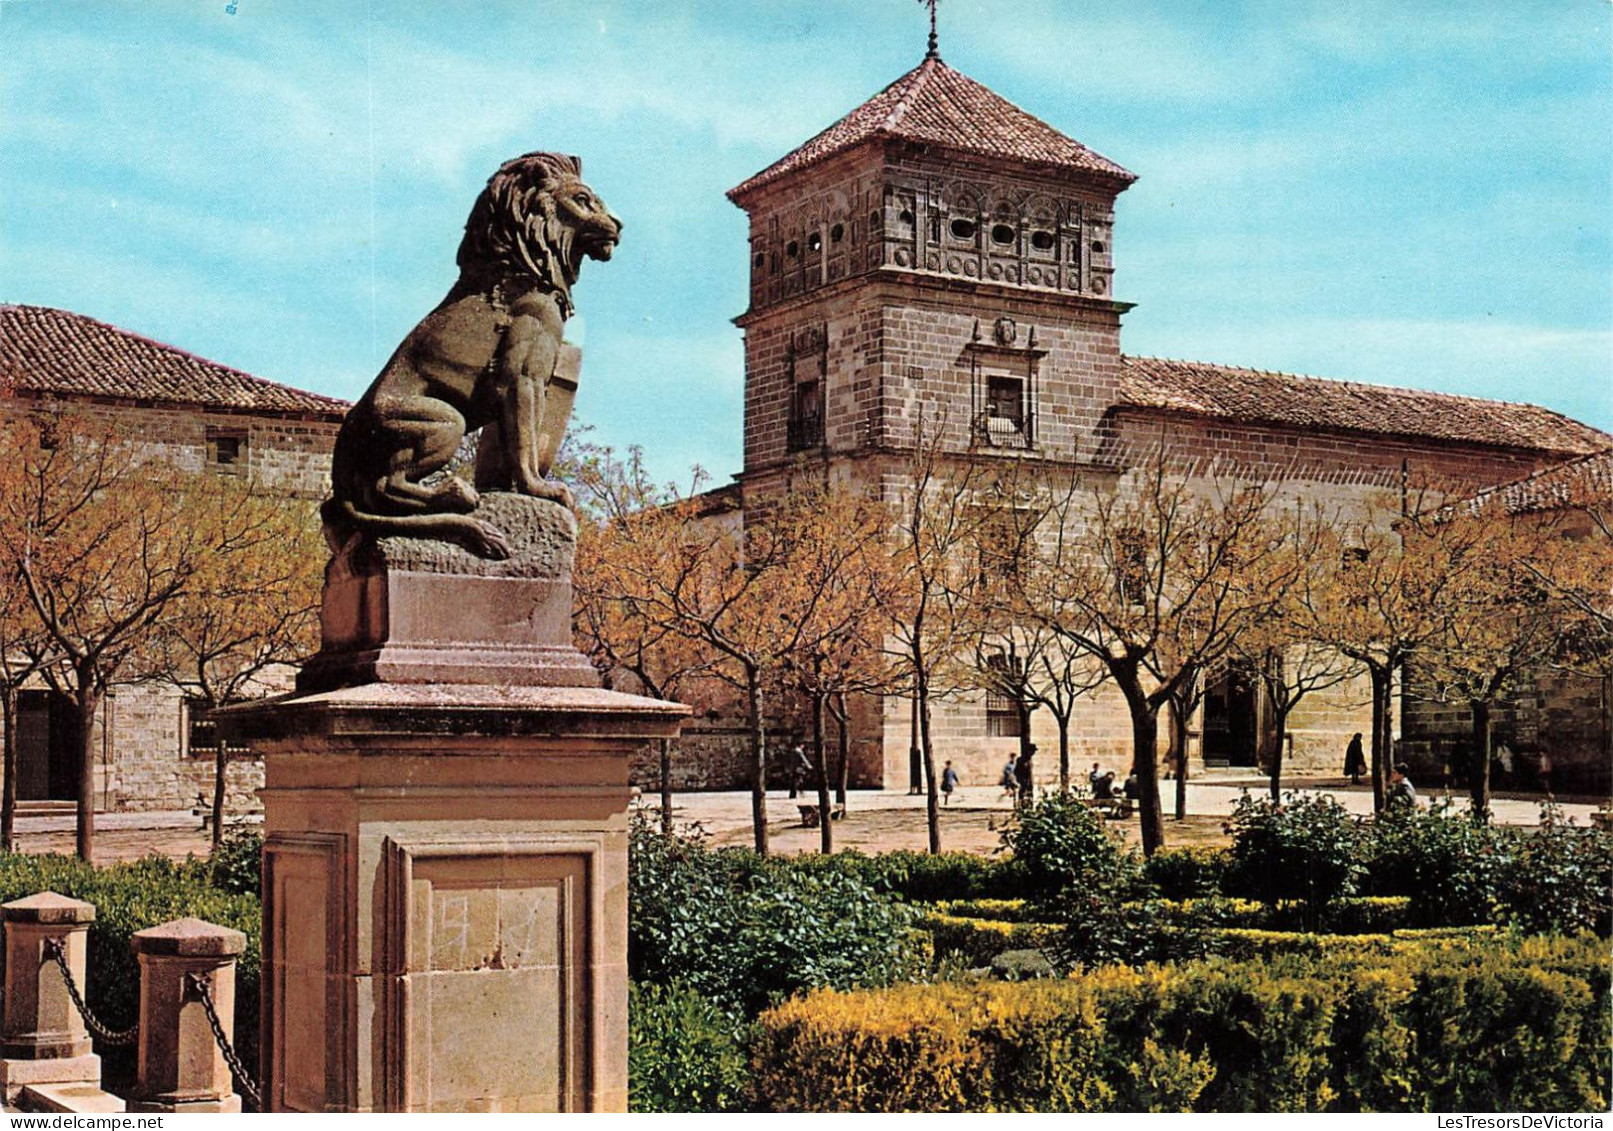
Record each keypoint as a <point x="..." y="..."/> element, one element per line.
<point x="684" y="1052"/>
<point x="1167" y="931"/>
<point x="131" y="897"/>
<point x="1412" y="1024"/>
<point x="1358" y="915"/>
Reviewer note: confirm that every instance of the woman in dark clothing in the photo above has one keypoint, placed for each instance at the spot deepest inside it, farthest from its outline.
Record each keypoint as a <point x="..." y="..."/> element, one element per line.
<point x="1355" y="762"/>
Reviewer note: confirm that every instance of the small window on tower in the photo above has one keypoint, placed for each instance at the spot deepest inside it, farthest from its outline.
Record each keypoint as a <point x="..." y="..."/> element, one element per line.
<point x="1006" y="417"/>
<point x="1042" y="241"/>
<point x="814" y="242"/>
<point x="1002" y="234"/>
<point x="1097" y="247"/>
<point x="963" y="229"/>
<point x="759" y="260"/>
<point x="792" y="249"/>
<point x="837" y="233"/>
<point x="873" y="222"/>
<point x="226" y="451"/>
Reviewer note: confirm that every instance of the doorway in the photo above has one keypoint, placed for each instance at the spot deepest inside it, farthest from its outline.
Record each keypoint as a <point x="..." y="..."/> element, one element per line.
<point x="47" y="747"/>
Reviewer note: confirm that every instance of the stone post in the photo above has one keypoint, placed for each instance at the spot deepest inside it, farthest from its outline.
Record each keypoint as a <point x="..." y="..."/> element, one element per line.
<point x="181" y="1067"/>
<point x="445" y="816"/>
<point x="42" y="1037"/>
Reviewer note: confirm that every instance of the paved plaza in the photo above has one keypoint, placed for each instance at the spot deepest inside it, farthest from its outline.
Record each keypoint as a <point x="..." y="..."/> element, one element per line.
<point x="876" y="820"/>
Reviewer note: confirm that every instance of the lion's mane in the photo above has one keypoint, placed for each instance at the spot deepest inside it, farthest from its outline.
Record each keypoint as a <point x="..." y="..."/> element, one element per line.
<point x="514" y="230"/>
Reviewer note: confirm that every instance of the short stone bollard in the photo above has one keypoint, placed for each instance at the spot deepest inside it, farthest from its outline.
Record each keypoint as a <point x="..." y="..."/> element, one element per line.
<point x="181" y="1067"/>
<point x="42" y="1037"/>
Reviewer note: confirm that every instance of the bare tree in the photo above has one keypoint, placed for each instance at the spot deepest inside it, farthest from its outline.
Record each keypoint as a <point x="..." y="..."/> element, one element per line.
<point x="251" y="605"/>
<point x="1156" y="578"/>
<point x="105" y="545"/>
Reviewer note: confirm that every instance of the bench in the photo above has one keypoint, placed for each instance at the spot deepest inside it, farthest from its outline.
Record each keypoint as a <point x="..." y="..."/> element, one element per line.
<point x="809" y="814"/>
<point x="1114" y="808"/>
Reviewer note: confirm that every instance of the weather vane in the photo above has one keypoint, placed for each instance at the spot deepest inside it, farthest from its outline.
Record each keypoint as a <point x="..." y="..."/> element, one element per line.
<point x="935" y="49"/>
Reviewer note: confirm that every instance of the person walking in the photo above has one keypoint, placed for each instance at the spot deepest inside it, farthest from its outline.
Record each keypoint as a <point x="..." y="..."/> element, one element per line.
<point x="1355" y="761"/>
<point x="1009" y="781"/>
<point x="949" y="782"/>
<point x="800" y="770"/>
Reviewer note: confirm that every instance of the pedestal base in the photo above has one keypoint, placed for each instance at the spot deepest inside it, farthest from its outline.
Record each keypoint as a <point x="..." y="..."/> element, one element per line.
<point x="445" y="896"/>
<point x="15" y="1075"/>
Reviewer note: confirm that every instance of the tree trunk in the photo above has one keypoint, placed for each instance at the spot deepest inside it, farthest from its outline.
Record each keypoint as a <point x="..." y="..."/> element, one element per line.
<point x="820" y="764"/>
<point x="1482" y="737"/>
<point x="1380" y="731"/>
<point x="221" y="762"/>
<point x="88" y="700"/>
<point x="837" y="707"/>
<point x="1280" y="714"/>
<point x="932" y="801"/>
<point x="1179" y="743"/>
<point x="1027" y="751"/>
<point x="915" y="750"/>
<point x="8" y="795"/>
<point x="1144" y="763"/>
<point x="1064" y="752"/>
<point x="666" y="787"/>
<point x="758" y="752"/>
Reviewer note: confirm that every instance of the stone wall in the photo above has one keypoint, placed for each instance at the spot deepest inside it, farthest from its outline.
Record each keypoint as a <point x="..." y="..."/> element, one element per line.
<point x="286" y="454"/>
<point x="1558" y="726"/>
<point x="143" y="762"/>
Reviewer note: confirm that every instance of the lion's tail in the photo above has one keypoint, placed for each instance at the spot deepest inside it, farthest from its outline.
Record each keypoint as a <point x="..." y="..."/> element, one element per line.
<point x="341" y="516"/>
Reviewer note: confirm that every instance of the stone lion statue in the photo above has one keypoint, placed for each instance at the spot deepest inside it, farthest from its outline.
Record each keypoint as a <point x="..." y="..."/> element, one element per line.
<point x="484" y="358"/>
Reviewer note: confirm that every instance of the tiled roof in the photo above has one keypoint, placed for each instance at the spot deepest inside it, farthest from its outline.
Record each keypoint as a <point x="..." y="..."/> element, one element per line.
<point x="59" y="353"/>
<point x="935" y="105"/>
<point x="1287" y="400"/>
<point x="1561" y="484"/>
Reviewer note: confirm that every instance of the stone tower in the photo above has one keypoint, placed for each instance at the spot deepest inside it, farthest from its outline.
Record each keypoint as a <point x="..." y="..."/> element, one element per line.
<point x="937" y="255"/>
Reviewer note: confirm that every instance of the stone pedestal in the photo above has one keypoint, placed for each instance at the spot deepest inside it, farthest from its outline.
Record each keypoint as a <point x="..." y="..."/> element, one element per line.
<point x="445" y="868"/>
<point x="42" y="1037"/>
<point x="181" y="1067"/>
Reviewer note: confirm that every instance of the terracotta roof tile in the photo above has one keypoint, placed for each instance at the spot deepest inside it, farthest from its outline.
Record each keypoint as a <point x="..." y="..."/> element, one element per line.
<point x="1560" y="485"/>
<point x="936" y="105"/>
<point x="49" y="351"/>
<point x="1288" y="400"/>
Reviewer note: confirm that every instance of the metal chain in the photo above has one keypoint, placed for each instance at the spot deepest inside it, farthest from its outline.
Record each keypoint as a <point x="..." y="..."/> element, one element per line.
<point x="116" y="1038"/>
<point x="202" y="985"/>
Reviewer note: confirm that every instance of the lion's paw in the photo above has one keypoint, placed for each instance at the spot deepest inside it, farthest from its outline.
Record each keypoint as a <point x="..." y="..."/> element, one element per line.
<point x="488" y="542"/>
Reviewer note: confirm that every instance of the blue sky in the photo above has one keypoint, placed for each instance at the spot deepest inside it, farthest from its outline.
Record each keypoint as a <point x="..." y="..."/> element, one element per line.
<point x="1414" y="194"/>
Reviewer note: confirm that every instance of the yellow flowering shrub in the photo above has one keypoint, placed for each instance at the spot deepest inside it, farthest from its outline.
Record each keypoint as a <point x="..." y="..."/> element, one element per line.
<point x="1396" y="1022"/>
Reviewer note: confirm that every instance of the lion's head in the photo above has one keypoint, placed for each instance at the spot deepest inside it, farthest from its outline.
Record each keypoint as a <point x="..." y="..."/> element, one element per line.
<point x="536" y="217"/>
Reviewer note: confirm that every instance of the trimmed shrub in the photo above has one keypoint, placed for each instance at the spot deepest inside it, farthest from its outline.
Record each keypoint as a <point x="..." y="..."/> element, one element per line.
<point x="1062" y="848"/>
<point x="919" y="877"/>
<point x="975" y="942"/>
<point x="744" y="935"/>
<point x="1560" y="879"/>
<point x="236" y="865"/>
<point x="1001" y="910"/>
<point x="1448" y="865"/>
<point x="684" y="1053"/>
<point x="1429" y="1023"/>
<point x="1187" y="873"/>
<point x="1308" y="849"/>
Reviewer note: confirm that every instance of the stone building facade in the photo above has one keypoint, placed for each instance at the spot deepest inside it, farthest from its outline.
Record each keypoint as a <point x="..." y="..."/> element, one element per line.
<point x="206" y="418"/>
<point x="1553" y="729"/>
<point x="940" y="261"/>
